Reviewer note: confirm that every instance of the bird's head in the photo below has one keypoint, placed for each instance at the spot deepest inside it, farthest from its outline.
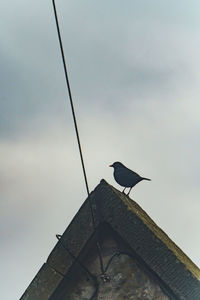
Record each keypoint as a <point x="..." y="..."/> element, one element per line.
<point x="117" y="165"/>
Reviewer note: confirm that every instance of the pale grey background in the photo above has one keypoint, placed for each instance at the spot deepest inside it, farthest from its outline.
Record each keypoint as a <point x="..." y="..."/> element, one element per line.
<point x="134" y="68"/>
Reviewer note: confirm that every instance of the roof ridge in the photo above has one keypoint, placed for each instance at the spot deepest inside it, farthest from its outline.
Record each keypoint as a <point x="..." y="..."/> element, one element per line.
<point x="148" y="221"/>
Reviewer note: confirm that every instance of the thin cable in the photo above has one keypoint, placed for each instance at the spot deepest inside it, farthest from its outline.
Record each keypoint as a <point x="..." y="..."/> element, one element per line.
<point x="76" y="127"/>
<point x="93" y="277"/>
<point x="70" y="96"/>
<point x="58" y="236"/>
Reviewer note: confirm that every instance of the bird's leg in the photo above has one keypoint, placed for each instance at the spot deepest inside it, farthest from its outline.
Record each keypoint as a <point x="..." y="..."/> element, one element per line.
<point x="129" y="191"/>
<point x="124" y="190"/>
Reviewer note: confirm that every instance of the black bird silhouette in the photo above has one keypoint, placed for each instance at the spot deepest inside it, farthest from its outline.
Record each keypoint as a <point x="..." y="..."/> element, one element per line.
<point x="126" y="177"/>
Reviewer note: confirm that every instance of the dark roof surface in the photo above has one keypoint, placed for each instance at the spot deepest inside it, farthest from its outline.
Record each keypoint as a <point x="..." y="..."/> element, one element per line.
<point x="136" y="228"/>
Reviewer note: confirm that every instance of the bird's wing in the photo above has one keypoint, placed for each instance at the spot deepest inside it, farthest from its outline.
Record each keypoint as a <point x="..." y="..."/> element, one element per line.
<point x="126" y="177"/>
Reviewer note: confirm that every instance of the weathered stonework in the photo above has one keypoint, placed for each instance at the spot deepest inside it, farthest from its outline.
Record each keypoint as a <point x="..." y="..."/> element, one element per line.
<point x="127" y="279"/>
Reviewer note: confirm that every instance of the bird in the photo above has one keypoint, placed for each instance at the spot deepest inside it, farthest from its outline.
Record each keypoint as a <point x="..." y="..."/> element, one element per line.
<point x="126" y="177"/>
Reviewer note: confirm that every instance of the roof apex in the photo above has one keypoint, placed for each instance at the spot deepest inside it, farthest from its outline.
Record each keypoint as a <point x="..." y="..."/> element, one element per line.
<point x="161" y="255"/>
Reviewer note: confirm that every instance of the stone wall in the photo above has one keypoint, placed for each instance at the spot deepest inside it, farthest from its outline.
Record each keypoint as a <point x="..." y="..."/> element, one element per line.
<point x="126" y="278"/>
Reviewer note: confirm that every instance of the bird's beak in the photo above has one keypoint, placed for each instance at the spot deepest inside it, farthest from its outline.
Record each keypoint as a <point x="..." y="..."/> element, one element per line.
<point x="110" y="165"/>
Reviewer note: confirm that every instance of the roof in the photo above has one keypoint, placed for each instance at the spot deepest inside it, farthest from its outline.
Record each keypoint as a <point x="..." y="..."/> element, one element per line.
<point x="158" y="252"/>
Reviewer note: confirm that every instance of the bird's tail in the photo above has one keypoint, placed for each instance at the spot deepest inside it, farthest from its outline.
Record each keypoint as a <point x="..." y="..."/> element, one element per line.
<point x="146" y="179"/>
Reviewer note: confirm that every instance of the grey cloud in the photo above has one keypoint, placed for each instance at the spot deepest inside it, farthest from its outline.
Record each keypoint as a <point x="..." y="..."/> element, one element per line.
<point x="106" y="61"/>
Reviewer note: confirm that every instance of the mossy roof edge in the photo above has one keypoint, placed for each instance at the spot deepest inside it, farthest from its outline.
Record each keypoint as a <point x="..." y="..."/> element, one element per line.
<point x="160" y="234"/>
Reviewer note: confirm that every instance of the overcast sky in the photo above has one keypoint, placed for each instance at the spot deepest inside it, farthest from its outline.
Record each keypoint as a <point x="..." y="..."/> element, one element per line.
<point x="134" y="69"/>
